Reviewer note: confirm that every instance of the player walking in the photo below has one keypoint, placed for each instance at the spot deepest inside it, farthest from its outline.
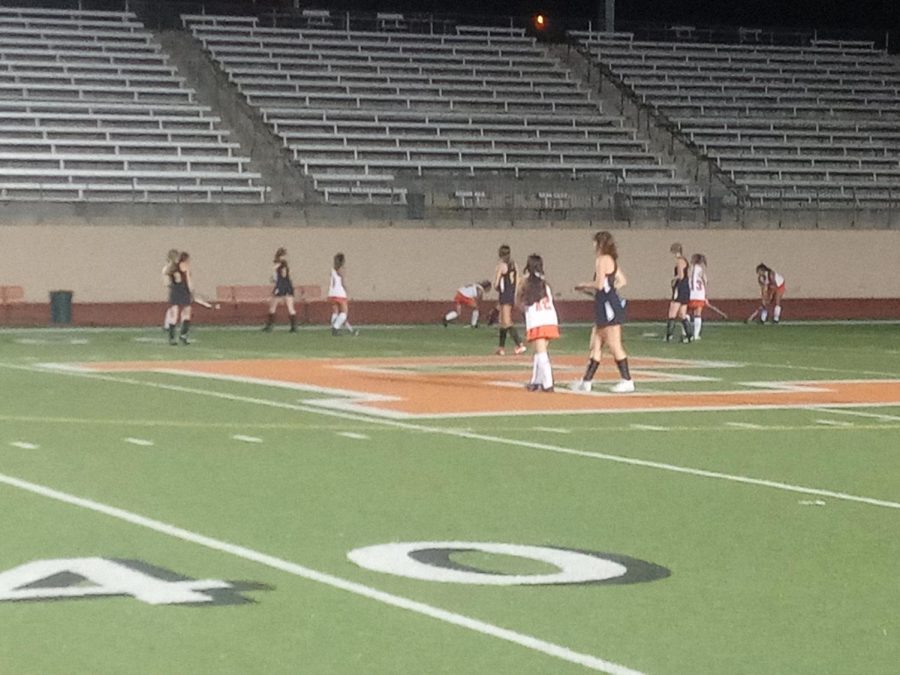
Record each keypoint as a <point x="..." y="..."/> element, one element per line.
<point x="505" y="278"/>
<point x="282" y="291"/>
<point x="681" y="295"/>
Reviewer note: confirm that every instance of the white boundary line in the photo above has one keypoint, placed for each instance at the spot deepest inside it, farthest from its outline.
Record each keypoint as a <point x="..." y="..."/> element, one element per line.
<point x="533" y="643"/>
<point x="459" y="433"/>
<point x="886" y="418"/>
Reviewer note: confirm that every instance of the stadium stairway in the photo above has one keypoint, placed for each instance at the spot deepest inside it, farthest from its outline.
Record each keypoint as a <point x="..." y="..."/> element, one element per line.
<point x="688" y="162"/>
<point x="268" y="156"/>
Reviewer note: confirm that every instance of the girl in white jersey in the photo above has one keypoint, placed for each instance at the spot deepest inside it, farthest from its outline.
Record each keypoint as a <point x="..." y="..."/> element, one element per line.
<point x="468" y="296"/>
<point x="698" y="292"/>
<point x="771" y="290"/>
<point x="337" y="296"/>
<point x="541" y="322"/>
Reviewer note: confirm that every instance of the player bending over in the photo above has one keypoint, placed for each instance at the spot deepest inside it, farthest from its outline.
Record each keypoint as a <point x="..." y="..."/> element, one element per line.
<point x="771" y="290"/>
<point x="468" y="296"/>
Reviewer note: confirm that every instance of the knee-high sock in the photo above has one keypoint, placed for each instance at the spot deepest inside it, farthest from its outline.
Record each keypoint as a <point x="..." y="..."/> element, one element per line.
<point x="293" y="318"/>
<point x="536" y="369"/>
<point x="171" y="317"/>
<point x="339" y="321"/>
<point x="776" y="313"/>
<point x="514" y="334"/>
<point x="334" y="316"/>
<point x="270" y="319"/>
<point x="546" y="370"/>
<point x="474" y="320"/>
<point x="591" y="370"/>
<point x="451" y="315"/>
<point x="763" y="315"/>
<point x="670" y="329"/>
<point x="698" y="326"/>
<point x="686" y="327"/>
<point x="346" y="325"/>
<point x="185" y="327"/>
<point x="503" y="332"/>
<point x="623" y="368"/>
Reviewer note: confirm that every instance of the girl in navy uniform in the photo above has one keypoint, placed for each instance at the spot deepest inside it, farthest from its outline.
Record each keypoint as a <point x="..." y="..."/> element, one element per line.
<point x="283" y="290"/>
<point x="609" y="314"/>
<point x="505" y="278"/>
<point x="681" y="296"/>
<point x="181" y="291"/>
<point x="171" y="260"/>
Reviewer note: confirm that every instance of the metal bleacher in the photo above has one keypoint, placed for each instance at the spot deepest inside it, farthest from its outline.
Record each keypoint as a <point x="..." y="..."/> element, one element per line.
<point x="90" y="110"/>
<point x="799" y="126"/>
<point x="355" y="108"/>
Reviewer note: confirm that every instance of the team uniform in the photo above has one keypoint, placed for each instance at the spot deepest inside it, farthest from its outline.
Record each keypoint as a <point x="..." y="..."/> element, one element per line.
<point x="609" y="309"/>
<point x="468" y="295"/>
<point x="775" y="282"/>
<point x="541" y="320"/>
<point x="697" y="288"/>
<point x="179" y="292"/>
<point x="506" y="288"/>
<point x="336" y="290"/>
<point x="773" y="285"/>
<point x="283" y="284"/>
<point x="681" y="288"/>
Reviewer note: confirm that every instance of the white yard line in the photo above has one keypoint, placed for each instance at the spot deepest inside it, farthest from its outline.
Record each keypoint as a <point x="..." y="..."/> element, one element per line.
<point x="835" y="423"/>
<point x="24" y="445"/>
<point x="649" y="427"/>
<point x="858" y="413"/>
<point x="143" y="442"/>
<point x="553" y="430"/>
<point x="527" y="641"/>
<point x="247" y="439"/>
<point x="745" y="425"/>
<point x="458" y="433"/>
<point x="353" y="435"/>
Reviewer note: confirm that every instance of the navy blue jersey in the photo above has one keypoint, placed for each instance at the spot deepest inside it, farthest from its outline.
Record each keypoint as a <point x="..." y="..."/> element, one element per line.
<point x="507" y="286"/>
<point x="179" y="292"/>
<point x="608" y="309"/>
<point x="283" y="284"/>
<point x="681" y="286"/>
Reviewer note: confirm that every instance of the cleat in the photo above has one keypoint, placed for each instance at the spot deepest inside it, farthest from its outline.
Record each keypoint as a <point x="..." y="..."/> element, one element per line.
<point x="335" y="332"/>
<point x="355" y="332"/>
<point x="531" y="386"/>
<point x="474" y="325"/>
<point x="686" y="340"/>
<point x="697" y="338"/>
<point x="174" y="343"/>
<point x="521" y="349"/>
<point x="445" y="322"/>
<point x="581" y="385"/>
<point x="184" y="339"/>
<point x="668" y="338"/>
<point x="623" y="387"/>
<point x="547" y="390"/>
<point x="500" y="351"/>
<point x="267" y="328"/>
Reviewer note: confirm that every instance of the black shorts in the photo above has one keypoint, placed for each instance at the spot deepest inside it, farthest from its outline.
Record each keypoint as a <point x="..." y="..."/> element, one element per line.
<point x="608" y="310"/>
<point x="283" y="288"/>
<point x="508" y="296"/>
<point x="179" y="295"/>
<point x="681" y="292"/>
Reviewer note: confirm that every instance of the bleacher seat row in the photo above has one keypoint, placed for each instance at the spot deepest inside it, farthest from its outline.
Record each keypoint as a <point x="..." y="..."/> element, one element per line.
<point x="797" y="126"/>
<point x="356" y="107"/>
<point x="90" y="109"/>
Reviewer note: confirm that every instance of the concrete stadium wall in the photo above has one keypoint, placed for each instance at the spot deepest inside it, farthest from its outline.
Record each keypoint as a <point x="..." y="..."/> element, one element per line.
<point x="104" y="264"/>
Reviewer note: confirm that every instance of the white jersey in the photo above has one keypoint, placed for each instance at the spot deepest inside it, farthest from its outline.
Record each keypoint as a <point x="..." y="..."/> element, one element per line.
<point x="698" y="282"/>
<point x="541" y="313"/>
<point x="470" y="291"/>
<point x="336" y="286"/>
<point x="778" y="279"/>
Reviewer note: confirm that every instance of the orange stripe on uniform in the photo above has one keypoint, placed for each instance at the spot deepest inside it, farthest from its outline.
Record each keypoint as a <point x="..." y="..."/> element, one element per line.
<point x="545" y="332"/>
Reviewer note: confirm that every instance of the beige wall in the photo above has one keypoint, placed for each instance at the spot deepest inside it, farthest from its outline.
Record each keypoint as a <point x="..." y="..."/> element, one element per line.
<point x="122" y="263"/>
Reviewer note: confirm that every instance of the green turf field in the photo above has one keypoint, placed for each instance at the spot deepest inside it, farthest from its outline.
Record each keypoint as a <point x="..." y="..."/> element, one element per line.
<point x="755" y="539"/>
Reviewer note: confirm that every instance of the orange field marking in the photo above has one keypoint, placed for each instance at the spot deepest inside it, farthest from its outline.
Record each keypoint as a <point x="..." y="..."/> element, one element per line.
<point x="462" y="387"/>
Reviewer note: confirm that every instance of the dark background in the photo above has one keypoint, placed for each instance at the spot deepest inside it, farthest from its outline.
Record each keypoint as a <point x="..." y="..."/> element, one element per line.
<point x="867" y="14"/>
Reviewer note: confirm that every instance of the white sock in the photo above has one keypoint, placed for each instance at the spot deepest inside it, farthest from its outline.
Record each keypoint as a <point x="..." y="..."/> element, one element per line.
<point x="536" y="370"/>
<point x="347" y="325"/>
<point x="339" y="321"/>
<point x="777" y="313"/>
<point x="545" y="370"/>
<point x="474" y="321"/>
<point x="451" y="315"/>
<point x="763" y="315"/>
<point x="334" y="317"/>
<point x="698" y="324"/>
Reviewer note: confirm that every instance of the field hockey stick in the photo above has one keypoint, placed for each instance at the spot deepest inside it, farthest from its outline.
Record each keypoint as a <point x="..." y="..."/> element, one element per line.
<point x="203" y="301"/>
<point x="716" y="310"/>
<point x="754" y="315"/>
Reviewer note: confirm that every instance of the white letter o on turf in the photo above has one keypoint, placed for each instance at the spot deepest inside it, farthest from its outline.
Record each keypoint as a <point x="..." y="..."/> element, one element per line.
<point x="574" y="567"/>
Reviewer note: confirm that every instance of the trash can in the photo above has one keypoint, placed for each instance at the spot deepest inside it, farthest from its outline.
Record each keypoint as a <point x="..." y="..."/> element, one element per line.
<point x="61" y="306"/>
